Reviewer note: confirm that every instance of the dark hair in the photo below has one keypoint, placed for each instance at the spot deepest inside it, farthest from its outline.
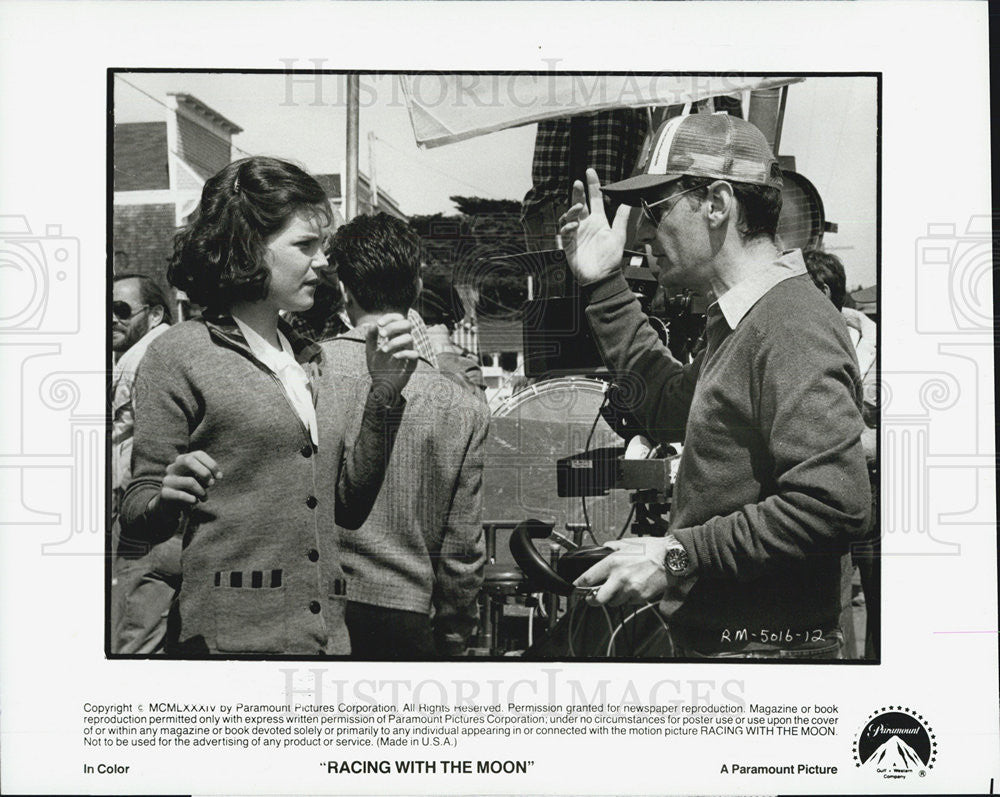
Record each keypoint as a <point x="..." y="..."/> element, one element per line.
<point x="439" y="302"/>
<point x="219" y="257"/>
<point x="760" y="205"/>
<point x="826" y="269"/>
<point x="150" y="293"/>
<point x="378" y="260"/>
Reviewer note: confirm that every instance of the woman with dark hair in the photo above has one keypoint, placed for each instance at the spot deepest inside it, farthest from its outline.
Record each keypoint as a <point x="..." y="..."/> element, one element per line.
<point x="247" y="440"/>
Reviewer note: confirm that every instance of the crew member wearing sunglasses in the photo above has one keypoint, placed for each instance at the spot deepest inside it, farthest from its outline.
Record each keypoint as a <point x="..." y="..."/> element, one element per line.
<point x="144" y="579"/>
<point x="140" y="313"/>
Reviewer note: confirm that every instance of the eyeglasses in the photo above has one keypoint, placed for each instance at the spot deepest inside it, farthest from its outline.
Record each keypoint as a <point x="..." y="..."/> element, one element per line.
<point x="658" y="216"/>
<point x="123" y="311"/>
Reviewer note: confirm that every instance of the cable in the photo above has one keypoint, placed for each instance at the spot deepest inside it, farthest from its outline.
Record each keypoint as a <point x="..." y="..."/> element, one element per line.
<point x="569" y="627"/>
<point x="593" y="426"/>
<point x="621" y="622"/>
<point x="586" y="519"/>
<point x="163" y="104"/>
<point x="586" y="448"/>
<point x="607" y="617"/>
<point x="573" y="612"/>
<point x="538" y="596"/>
<point x="634" y="614"/>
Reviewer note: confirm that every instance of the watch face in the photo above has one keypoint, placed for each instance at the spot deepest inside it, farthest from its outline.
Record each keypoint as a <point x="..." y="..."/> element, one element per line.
<point x="677" y="560"/>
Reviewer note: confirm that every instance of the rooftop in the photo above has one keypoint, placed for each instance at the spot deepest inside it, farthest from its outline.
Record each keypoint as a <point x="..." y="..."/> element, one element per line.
<point x="192" y="103"/>
<point x="333" y="185"/>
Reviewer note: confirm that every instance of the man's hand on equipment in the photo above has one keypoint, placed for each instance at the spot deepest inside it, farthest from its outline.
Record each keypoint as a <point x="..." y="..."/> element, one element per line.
<point x="634" y="573"/>
<point x="593" y="249"/>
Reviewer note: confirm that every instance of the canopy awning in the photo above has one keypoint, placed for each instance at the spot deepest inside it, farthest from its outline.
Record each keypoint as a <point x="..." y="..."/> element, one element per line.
<point x="449" y="108"/>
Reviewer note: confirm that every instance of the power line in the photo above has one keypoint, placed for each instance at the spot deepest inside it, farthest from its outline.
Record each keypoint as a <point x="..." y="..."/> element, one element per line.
<point x="164" y="105"/>
<point x="483" y="191"/>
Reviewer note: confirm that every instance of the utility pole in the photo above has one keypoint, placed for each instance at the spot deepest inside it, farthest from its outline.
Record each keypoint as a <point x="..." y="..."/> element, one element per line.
<point x="372" y="174"/>
<point x="351" y="176"/>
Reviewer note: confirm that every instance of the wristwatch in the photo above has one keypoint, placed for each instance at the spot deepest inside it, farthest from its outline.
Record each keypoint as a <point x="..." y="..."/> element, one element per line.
<point x="676" y="560"/>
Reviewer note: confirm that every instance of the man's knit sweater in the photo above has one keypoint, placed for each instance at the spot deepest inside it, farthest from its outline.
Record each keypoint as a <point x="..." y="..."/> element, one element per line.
<point x="422" y="543"/>
<point x="261" y="568"/>
<point x="772" y="481"/>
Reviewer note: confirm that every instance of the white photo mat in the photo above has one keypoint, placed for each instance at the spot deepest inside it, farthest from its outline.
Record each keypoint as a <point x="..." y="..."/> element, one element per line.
<point x="939" y="606"/>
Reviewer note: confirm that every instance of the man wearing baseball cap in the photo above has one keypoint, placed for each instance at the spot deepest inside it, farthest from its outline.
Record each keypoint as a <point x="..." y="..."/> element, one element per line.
<point x="772" y="485"/>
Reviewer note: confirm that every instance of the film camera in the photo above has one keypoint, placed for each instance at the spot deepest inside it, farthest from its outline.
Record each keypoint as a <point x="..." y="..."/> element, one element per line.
<point x="556" y="335"/>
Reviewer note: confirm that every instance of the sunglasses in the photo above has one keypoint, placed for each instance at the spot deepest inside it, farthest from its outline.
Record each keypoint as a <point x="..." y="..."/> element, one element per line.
<point x="123" y="310"/>
<point x="656" y="216"/>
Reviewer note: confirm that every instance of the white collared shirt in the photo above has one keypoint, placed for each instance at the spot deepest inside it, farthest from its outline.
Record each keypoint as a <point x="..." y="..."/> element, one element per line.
<point x="289" y="372"/>
<point x="737" y="301"/>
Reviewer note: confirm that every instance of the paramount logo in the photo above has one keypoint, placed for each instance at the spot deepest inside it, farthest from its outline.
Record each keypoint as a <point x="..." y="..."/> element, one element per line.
<point x="895" y="743"/>
<point x="894" y="755"/>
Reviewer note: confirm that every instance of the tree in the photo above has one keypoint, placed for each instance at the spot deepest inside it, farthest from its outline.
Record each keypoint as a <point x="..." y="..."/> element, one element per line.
<point x="459" y="249"/>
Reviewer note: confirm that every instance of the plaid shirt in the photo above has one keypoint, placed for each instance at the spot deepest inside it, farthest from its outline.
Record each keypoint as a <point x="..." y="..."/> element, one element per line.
<point x="421" y="341"/>
<point x="328" y="328"/>
<point x="613" y="143"/>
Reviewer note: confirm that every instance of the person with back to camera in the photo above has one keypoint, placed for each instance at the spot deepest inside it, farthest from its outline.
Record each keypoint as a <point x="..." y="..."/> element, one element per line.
<point x="772" y="483"/>
<point x="422" y="547"/>
<point x="241" y="425"/>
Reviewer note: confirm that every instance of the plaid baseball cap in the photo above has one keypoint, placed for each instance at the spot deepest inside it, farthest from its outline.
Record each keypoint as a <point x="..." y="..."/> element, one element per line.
<point x="714" y="145"/>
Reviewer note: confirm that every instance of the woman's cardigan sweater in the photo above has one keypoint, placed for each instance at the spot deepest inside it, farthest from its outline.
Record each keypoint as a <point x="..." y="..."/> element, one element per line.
<point x="261" y="571"/>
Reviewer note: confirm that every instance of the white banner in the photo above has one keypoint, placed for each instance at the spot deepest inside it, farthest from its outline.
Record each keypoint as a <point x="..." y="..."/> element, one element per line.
<point x="449" y="108"/>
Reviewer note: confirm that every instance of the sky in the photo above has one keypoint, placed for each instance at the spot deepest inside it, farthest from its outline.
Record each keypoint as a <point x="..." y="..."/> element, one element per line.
<point x="829" y="126"/>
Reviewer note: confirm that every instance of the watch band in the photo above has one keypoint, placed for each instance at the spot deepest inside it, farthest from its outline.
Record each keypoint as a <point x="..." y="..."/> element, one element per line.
<point x="676" y="560"/>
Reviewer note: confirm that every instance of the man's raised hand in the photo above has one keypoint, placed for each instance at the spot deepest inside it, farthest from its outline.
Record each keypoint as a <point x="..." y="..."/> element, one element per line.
<point x="593" y="248"/>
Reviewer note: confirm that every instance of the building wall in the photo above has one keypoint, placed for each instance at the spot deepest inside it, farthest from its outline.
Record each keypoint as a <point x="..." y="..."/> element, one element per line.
<point x="332" y="184"/>
<point x="145" y="233"/>
<point x="141" y="156"/>
<point x="201" y="148"/>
